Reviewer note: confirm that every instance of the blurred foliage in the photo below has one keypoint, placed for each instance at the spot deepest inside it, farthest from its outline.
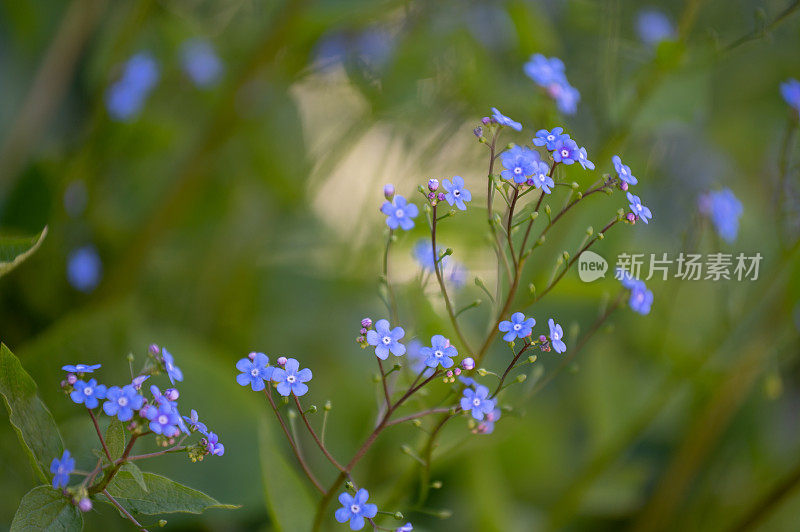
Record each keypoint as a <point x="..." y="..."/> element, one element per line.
<point x="244" y="217"/>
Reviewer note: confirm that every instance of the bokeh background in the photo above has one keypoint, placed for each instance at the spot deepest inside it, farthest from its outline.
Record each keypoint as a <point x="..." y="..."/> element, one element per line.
<point x="220" y="195"/>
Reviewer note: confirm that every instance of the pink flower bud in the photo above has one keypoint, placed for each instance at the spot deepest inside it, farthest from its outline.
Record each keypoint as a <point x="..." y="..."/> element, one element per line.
<point x="282" y="361"/>
<point x="433" y="185"/>
<point x="388" y="191"/>
<point x="72" y="378"/>
<point x="171" y="394"/>
<point x="85" y="505"/>
<point x="366" y="323"/>
<point x="468" y="363"/>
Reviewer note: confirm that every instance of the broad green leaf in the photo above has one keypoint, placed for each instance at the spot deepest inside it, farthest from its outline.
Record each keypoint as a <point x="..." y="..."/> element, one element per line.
<point x="289" y="501"/>
<point x="14" y="250"/>
<point x="44" y="508"/>
<point x="115" y="438"/>
<point x="136" y="473"/>
<point x="30" y="417"/>
<point x="161" y="496"/>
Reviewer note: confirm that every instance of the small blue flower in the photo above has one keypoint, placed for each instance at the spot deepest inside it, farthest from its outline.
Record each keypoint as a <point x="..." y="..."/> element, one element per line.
<point x="625" y="277"/>
<point x="173" y="372"/>
<point x="457" y="275"/>
<point x="417" y="359"/>
<point x="457" y="194"/>
<point x="405" y="528"/>
<point x="556" y="335"/>
<point x="423" y="253"/>
<point x="254" y="372"/>
<point x="641" y="298"/>
<point x="724" y="210"/>
<point x="84" y="268"/>
<point x="541" y="178"/>
<point x="81" y="368"/>
<point x="468" y="381"/>
<point x="213" y="446"/>
<point x="790" y="90"/>
<point x="583" y="160"/>
<point x="487" y="425"/>
<point x="139" y="380"/>
<point x="503" y="120"/>
<point x="477" y="402"/>
<point x="291" y="379"/>
<point x="126" y="97"/>
<point x="385" y="340"/>
<point x="164" y="419"/>
<point x="200" y="62"/>
<point x="518" y="327"/>
<point x="639" y="209"/>
<point x="399" y="213"/>
<point x="88" y="393"/>
<point x="195" y="423"/>
<point x="62" y="469"/>
<point x="122" y="402"/>
<point x="519" y="163"/>
<point x="355" y="509"/>
<point x="623" y="171"/>
<point x="548" y="139"/>
<point x="545" y="71"/>
<point x="566" y="151"/>
<point x="566" y="97"/>
<point x="653" y="26"/>
<point x="440" y="353"/>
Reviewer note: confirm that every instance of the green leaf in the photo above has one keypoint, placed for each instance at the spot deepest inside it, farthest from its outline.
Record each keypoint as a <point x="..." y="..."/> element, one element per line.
<point x="44" y="508"/>
<point x="289" y="501"/>
<point x="14" y="250"/>
<point x="115" y="438"/>
<point x="159" y="495"/>
<point x="136" y="473"/>
<point x="30" y="417"/>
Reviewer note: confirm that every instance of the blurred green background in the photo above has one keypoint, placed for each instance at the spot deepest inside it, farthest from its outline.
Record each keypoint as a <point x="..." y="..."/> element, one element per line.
<point x="242" y="215"/>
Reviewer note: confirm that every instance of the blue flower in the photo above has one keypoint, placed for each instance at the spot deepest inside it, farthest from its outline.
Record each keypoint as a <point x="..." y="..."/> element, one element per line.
<point x="468" y="381"/>
<point x="518" y="327"/>
<point x="61" y="470"/>
<point x="641" y="298"/>
<point x="122" y="402"/>
<point x="541" y="178"/>
<point x="423" y="253"/>
<point x="213" y="446"/>
<point x="386" y="340"/>
<point x="457" y="274"/>
<point x="790" y="90"/>
<point x="638" y="208"/>
<point x="653" y="26"/>
<point x="195" y="423"/>
<point x="519" y="163"/>
<point x="548" y="139"/>
<point x="545" y="71"/>
<point x="566" y="151"/>
<point x="164" y="419"/>
<point x="625" y="277"/>
<point x="81" y="368"/>
<point x="724" y="210"/>
<point x="623" y="171"/>
<point x="477" y="402"/>
<point x="566" y="97"/>
<point x="254" y="372"/>
<point x="88" y="393"/>
<point x="291" y="379"/>
<point x="405" y="528"/>
<point x="84" y="268"/>
<point x="173" y="372"/>
<point x="440" y="353"/>
<point x="126" y="97"/>
<point x="457" y="194"/>
<point x="583" y="159"/>
<point x="556" y="335"/>
<point x="200" y="62"/>
<point x="355" y="509"/>
<point x="487" y="425"/>
<point x="399" y="213"/>
<point x="503" y="120"/>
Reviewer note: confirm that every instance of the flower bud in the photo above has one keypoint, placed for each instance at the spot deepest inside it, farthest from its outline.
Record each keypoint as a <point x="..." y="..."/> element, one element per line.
<point x="478" y="131"/>
<point x="623" y="186"/>
<point x="85" y="505"/>
<point x="328" y="406"/>
<point x="433" y="185"/>
<point x="366" y="323"/>
<point x="449" y="373"/>
<point x="388" y="191"/>
<point x="154" y="349"/>
<point x="282" y="361"/>
<point x="468" y="363"/>
<point x="631" y="217"/>
<point x="363" y="330"/>
<point x="72" y="378"/>
<point x="398" y="516"/>
<point x="486" y="120"/>
<point x="457" y="371"/>
<point x="482" y="372"/>
<point x="360" y="339"/>
<point x="171" y="394"/>
<point x="251" y="355"/>
<point x="542" y="338"/>
<point x="431" y="196"/>
<point x="441" y="196"/>
<point x="162" y="523"/>
<point x="436" y="484"/>
<point x="522" y="377"/>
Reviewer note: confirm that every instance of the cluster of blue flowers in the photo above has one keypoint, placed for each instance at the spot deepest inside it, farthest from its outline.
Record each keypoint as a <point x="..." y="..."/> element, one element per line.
<point x="520" y="326"/>
<point x="287" y="377"/>
<point x="641" y="299"/>
<point x="724" y="209"/>
<point x="549" y="74"/>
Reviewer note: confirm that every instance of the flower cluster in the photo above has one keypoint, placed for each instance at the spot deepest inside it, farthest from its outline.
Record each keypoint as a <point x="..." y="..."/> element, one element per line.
<point x="519" y="326"/>
<point x="641" y="299"/>
<point x="287" y="377"/>
<point x="549" y="74"/>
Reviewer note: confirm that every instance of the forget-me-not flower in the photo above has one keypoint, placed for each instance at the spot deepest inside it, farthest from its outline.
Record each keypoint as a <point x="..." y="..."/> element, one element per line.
<point x="541" y="177"/>
<point x="122" y="402"/>
<point x="213" y="446"/>
<point x="623" y="171"/>
<point x="254" y="372"/>
<point x="81" y="368"/>
<point x="545" y="71"/>
<point x="386" y="340"/>
<point x="503" y="120"/>
<point x="583" y="160"/>
<point x="566" y="151"/>
<point x="194" y="422"/>
<point x="457" y="194"/>
<point x="355" y="509"/>
<point x="200" y="62"/>
<point x="641" y="298"/>
<point x="405" y="528"/>
<point x="653" y="26"/>
<point x="291" y="379"/>
<point x="556" y="335"/>
<point x="173" y="372"/>
<point x="518" y="327"/>
<point x="519" y="163"/>
<point x="88" y="393"/>
<point x="477" y="402"/>
<point x="724" y="209"/>
<point x="164" y="419"/>
<point x="84" y="268"/>
<point x="62" y="469"/>
<point x="487" y="425"/>
<point x="399" y="213"/>
<point x="548" y="139"/>
<point x="440" y="353"/>
<point x="638" y="208"/>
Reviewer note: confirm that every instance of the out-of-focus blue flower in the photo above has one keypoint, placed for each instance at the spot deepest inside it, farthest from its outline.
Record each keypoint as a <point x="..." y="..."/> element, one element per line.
<point x="468" y="381"/>
<point x="503" y="120"/>
<point x="440" y="353"/>
<point x="254" y="372"/>
<point x="457" y="194"/>
<point x="625" y="278"/>
<point x="200" y="62"/>
<point x="623" y="171"/>
<point x="405" y="528"/>
<point x="84" y="268"/>
<point x="355" y="509"/>
<point x="139" y="380"/>
<point x="541" y="178"/>
<point x="653" y="26"/>
<point x="399" y="213"/>
<point x="566" y="152"/>
<point x="548" y="139"/>
<point x="457" y="274"/>
<point x="62" y="469"/>
<point x="126" y="97"/>
<point x="487" y="425"/>
<point x="637" y="208"/>
<point x="790" y="90"/>
<point x="566" y="96"/>
<point x="292" y="379"/>
<point x="213" y="446"/>
<point x="164" y="419"/>
<point x="423" y="253"/>
<point x="173" y="372"/>
<point x="122" y="402"/>
<point x="194" y="422"/>
<point x="386" y="340"/>
<point x="81" y="368"/>
<point x="477" y="402"/>
<point x="583" y="160"/>
<point x="549" y="74"/>
<point x="519" y="163"/>
<point x="88" y="393"/>
<point x="518" y="327"/>
<point x="724" y="209"/>
<point x="641" y="298"/>
<point x="369" y="50"/>
<point x="556" y="335"/>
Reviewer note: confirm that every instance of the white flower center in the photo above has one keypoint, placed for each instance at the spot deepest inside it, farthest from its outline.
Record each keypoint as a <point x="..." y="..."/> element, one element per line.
<point x="517" y="326"/>
<point x="456" y="193"/>
<point x="399" y="213"/>
<point x="564" y="153"/>
<point x="162" y="419"/>
<point x="291" y="379"/>
<point x="551" y="137"/>
<point x="556" y="336"/>
<point x="476" y="402"/>
<point x="123" y="401"/>
<point x="87" y="391"/>
<point x="386" y="340"/>
<point x="354" y="508"/>
<point x="254" y="372"/>
<point x="438" y="353"/>
<point x="517" y="170"/>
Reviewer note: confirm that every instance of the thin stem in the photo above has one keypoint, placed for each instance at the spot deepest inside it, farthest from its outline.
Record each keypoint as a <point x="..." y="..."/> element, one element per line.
<point x="316" y="438"/>
<point x="123" y="511"/>
<point x="100" y="436"/>
<point x="175" y="449"/>
<point x="383" y="382"/>
<point x="509" y="368"/>
<point x="417" y="415"/>
<point x="508" y="227"/>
